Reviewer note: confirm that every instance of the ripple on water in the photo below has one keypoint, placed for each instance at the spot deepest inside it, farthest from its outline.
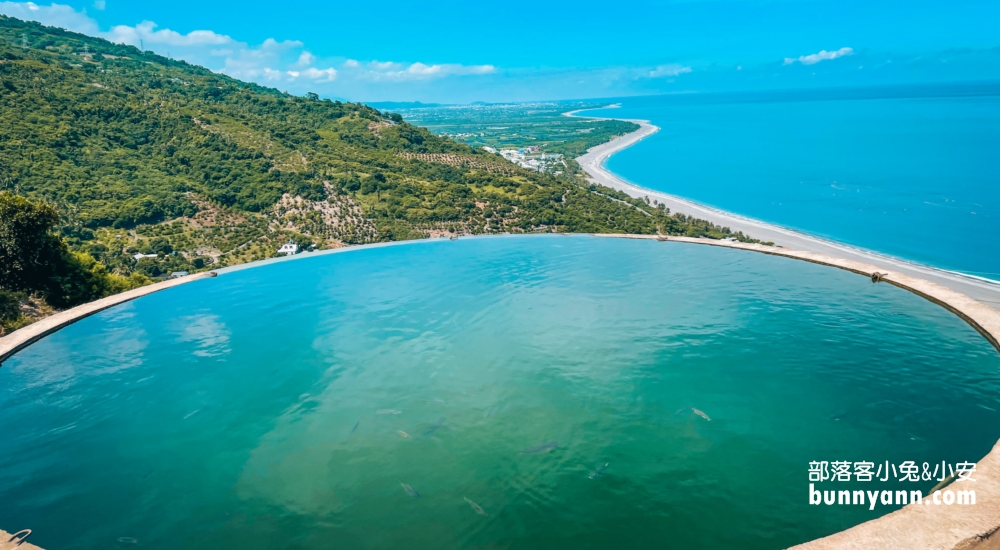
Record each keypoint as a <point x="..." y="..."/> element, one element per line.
<point x="270" y="405"/>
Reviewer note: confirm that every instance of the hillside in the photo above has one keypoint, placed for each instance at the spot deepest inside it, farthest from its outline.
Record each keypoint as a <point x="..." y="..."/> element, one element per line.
<point x="521" y="125"/>
<point x="141" y="153"/>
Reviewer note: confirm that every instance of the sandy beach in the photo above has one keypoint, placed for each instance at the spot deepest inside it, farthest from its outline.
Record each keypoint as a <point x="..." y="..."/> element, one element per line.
<point x="593" y="161"/>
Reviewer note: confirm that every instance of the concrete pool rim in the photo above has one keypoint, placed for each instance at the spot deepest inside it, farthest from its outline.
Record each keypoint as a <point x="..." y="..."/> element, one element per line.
<point x="913" y="526"/>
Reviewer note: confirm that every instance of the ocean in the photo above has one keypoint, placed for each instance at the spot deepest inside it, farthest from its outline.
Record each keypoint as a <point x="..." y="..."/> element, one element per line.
<point x="911" y="172"/>
<point x="500" y="392"/>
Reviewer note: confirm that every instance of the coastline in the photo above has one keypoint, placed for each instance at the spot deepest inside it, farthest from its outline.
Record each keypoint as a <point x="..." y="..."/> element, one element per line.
<point x="914" y="526"/>
<point x="972" y="299"/>
<point x="984" y="290"/>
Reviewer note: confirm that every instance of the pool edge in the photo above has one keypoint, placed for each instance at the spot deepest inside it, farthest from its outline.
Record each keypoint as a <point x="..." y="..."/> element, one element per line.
<point x="24" y="337"/>
<point x="914" y="526"/>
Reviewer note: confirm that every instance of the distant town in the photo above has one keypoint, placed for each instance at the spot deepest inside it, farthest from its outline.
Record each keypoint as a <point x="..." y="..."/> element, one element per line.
<point x="535" y="136"/>
<point x="532" y="158"/>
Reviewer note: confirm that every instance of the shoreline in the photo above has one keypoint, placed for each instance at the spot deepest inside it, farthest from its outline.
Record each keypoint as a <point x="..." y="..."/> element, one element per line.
<point x="970" y="298"/>
<point x="592" y="162"/>
<point x="914" y="525"/>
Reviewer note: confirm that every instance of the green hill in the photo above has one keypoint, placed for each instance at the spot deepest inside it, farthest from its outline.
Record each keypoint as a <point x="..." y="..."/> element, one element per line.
<point x="141" y="153"/>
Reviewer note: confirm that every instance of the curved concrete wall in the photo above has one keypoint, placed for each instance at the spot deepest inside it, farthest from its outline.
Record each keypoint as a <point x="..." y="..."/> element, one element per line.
<point x="24" y="337"/>
<point x="916" y="526"/>
<point x="913" y="527"/>
<point x="8" y="542"/>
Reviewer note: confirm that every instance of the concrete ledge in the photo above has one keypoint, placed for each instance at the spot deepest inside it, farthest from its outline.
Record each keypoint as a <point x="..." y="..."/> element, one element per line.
<point x="5" y="543"/>
<point x="24" y="337"/>
<point x="979" y="288"/>
<point x="981" y="317"/>
<point x="916" y="526"/>
<point x="930" y="527"/>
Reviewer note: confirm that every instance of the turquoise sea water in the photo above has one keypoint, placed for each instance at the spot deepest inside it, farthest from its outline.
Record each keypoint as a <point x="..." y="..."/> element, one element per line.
<point x="285" y="406"/>
<point x="910" y="172"/>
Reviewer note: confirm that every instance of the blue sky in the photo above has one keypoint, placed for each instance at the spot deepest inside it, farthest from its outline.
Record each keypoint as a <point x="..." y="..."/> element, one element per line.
<point x="519" y="51"/>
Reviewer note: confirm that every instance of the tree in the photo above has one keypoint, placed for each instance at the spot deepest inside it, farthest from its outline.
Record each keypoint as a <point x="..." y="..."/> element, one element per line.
<point x="33" y="259"/>
<point x="28" y="249"/>
<point x="10" y="307"/>
<point x="160" y="246"/>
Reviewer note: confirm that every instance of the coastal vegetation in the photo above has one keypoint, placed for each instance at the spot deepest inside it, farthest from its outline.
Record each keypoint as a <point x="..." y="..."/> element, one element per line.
<point x="36" y="263"/>
<point x="540" y="126"/>
<point x="119" y="166"/>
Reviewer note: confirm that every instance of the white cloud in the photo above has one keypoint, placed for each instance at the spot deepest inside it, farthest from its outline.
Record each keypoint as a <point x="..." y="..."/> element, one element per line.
<point x="272" y="61"/>
<point x="250" y="63"/>
<point x="56" y="15"/>
<point x="672" y="69"/>
<point x="99" y="5"/>
<point x="123" y="34"/>
<point x="59" y="15"/>
<point x="823" y="55"/>
<point x="394" y="71"/>
<point x="420" y="70"/>
<point x="321" y="75"/>
<point x="271" y="74"/>
<point x="306" y="59"/>
<point x="312" y="73"/>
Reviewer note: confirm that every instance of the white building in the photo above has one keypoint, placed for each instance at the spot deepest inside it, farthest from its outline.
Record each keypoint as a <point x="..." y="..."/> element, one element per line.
<point x="140" y="256"/>
<point x="289" y="248"/>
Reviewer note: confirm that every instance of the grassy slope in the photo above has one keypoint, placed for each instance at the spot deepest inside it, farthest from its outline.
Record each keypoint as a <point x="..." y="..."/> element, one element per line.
<point x="143" y="153"/>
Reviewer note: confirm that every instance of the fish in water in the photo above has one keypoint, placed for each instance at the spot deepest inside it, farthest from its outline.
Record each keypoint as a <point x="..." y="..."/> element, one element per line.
<point x="838" y="416"/>
<point x="128" y="540"/>
<point x="701" y="414"/>
<point x="489" y="412"/>
<point x="388" y="411"/>
<point x="541" y="448"/>
<point x="410" y="490"/>
<point x="682" y="410"/>
<point x="192" y="413"/>
<point x="430" y="431"/>
<point x="599" y="471"/>
<point x="477" y="508"/>
<point x="355" y="426"/>
<point x="403" y="434"/>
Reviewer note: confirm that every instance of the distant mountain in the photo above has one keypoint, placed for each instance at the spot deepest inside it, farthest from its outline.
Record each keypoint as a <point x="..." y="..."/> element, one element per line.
<point x="398" y="105"/>
<point x="145" y="154"/>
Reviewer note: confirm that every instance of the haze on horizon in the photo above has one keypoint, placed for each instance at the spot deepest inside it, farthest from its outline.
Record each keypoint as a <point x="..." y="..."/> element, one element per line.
<point x="455" y="52"/>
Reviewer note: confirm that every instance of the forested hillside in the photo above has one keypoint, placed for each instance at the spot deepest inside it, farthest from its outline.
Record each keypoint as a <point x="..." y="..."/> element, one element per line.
<point x="141" y="153"/>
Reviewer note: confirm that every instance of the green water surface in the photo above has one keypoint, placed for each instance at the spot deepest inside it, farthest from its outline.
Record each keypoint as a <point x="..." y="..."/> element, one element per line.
<point x="285" y="406"/>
